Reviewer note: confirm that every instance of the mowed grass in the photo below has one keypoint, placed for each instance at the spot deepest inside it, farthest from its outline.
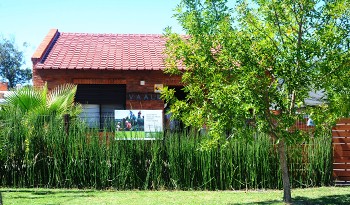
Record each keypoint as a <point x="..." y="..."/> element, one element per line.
<point x="322" y="195"/>
<point x="130" y="134"/>
<point x="137" y="135"/>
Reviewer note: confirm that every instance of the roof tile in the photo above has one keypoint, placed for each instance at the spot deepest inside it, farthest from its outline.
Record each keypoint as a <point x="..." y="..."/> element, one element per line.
<point x="104" y="51"/>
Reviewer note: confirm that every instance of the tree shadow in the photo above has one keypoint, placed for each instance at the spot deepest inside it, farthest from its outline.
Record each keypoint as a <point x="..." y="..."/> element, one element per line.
<point x="70" y="196"/>
<point x="332" y="199"/>
<point x="46" y="192"/>
<point x="262" y="202"/>
<point x="37" y="194"/>
<point x="326" y="200"/>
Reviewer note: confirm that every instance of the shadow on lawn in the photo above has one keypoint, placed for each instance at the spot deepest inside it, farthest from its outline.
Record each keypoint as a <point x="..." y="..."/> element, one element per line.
<point x="332" y="199"/>
<point x="36" y="194"/>
<point x="46" y="192"/>
<point x="70" y="196"/>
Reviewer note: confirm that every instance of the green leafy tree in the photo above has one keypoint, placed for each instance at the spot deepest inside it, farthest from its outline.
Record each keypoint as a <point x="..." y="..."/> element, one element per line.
<point x="32" y="102"/>
<point x="28" y="109"/>
<point x="257" y="62"/>
<point x="11" y="60"/>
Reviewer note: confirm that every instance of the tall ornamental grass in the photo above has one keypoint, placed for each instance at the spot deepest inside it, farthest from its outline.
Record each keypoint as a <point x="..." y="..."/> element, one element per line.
<point x="48" y="155"/>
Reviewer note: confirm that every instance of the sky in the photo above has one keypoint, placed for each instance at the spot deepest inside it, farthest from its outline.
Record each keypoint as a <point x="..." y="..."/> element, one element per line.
<point x="30" y="20"/>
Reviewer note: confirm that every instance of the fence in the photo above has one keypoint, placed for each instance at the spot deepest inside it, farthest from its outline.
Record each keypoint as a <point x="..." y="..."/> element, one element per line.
<point x="341" y="151"/>
<point x="340" y="148"/>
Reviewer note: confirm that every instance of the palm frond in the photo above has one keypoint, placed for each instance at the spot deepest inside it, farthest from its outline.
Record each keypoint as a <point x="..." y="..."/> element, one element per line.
<point x="25" y="98"/>
<point x="61" y="98"/>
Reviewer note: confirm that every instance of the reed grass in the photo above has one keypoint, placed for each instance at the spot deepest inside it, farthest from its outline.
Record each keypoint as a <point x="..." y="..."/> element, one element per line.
<point x="45" y="155"/>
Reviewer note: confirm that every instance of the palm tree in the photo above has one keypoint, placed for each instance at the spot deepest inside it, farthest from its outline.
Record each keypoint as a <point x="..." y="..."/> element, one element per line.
<point x="34" y="102"/>
<point x="28" y="110"/>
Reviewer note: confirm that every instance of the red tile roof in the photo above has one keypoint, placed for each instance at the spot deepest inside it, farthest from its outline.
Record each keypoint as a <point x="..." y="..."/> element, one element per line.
<point x="3" y="86"/>
<point x="100" y="51"/>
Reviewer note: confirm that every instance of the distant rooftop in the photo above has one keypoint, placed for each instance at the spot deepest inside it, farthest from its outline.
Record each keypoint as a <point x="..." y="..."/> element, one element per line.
<point x="61" y="50"/>
<point x="4" y="95"/>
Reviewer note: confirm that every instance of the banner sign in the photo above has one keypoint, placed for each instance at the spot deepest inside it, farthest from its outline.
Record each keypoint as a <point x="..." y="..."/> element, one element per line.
<point x="138" y="123"/>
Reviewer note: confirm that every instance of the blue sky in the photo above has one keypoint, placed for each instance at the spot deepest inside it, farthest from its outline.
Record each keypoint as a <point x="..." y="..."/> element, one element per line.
<point x="30" y="20"/>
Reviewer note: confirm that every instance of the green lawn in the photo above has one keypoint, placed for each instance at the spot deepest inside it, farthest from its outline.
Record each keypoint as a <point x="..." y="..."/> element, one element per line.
<point x="130" y="134"/>
<point x="137" y="135"/>
<point x="323" y="195"/>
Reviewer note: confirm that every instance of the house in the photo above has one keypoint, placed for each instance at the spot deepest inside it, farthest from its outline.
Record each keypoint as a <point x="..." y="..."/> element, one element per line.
<point x="3" y="92"/>
<point x="111" y="71"/>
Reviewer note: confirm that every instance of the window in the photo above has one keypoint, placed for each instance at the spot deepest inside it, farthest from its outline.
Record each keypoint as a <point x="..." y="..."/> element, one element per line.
<point x="99" y="102"/>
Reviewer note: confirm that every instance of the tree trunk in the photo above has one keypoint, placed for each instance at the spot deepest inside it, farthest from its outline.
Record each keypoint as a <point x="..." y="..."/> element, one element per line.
<point x="0" y="198"/>
<point x="287" y="196"/>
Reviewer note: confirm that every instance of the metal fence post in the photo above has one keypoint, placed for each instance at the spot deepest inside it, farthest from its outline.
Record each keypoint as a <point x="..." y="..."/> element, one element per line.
<point x="66" y="119"/>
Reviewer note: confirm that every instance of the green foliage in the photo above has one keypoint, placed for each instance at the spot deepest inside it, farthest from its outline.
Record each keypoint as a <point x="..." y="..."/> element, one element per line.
<point x="11" y="59"/>
<point x="27" y="110"/>
<point x="238" y="64"/>
<point x="32" y="102"/>
<point x="86" y="158"/>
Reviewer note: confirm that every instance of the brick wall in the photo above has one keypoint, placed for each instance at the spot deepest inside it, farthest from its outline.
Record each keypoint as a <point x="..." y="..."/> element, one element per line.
<point x="44" y="46"/>
<point x="3" y="86"/>
<point x="131" y="78"/>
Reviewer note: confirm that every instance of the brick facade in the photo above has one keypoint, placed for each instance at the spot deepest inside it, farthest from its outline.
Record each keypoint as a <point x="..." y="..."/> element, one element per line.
<point x="3" y="86"/>
<point x="131" y="78"/>
<point x="114" y="59"/>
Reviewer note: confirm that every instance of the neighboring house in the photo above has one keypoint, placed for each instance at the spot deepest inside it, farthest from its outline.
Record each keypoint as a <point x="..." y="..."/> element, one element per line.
<point x="316" y="98"/>
<point x="112" y="71"/>
<point x="3" y="92"/>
